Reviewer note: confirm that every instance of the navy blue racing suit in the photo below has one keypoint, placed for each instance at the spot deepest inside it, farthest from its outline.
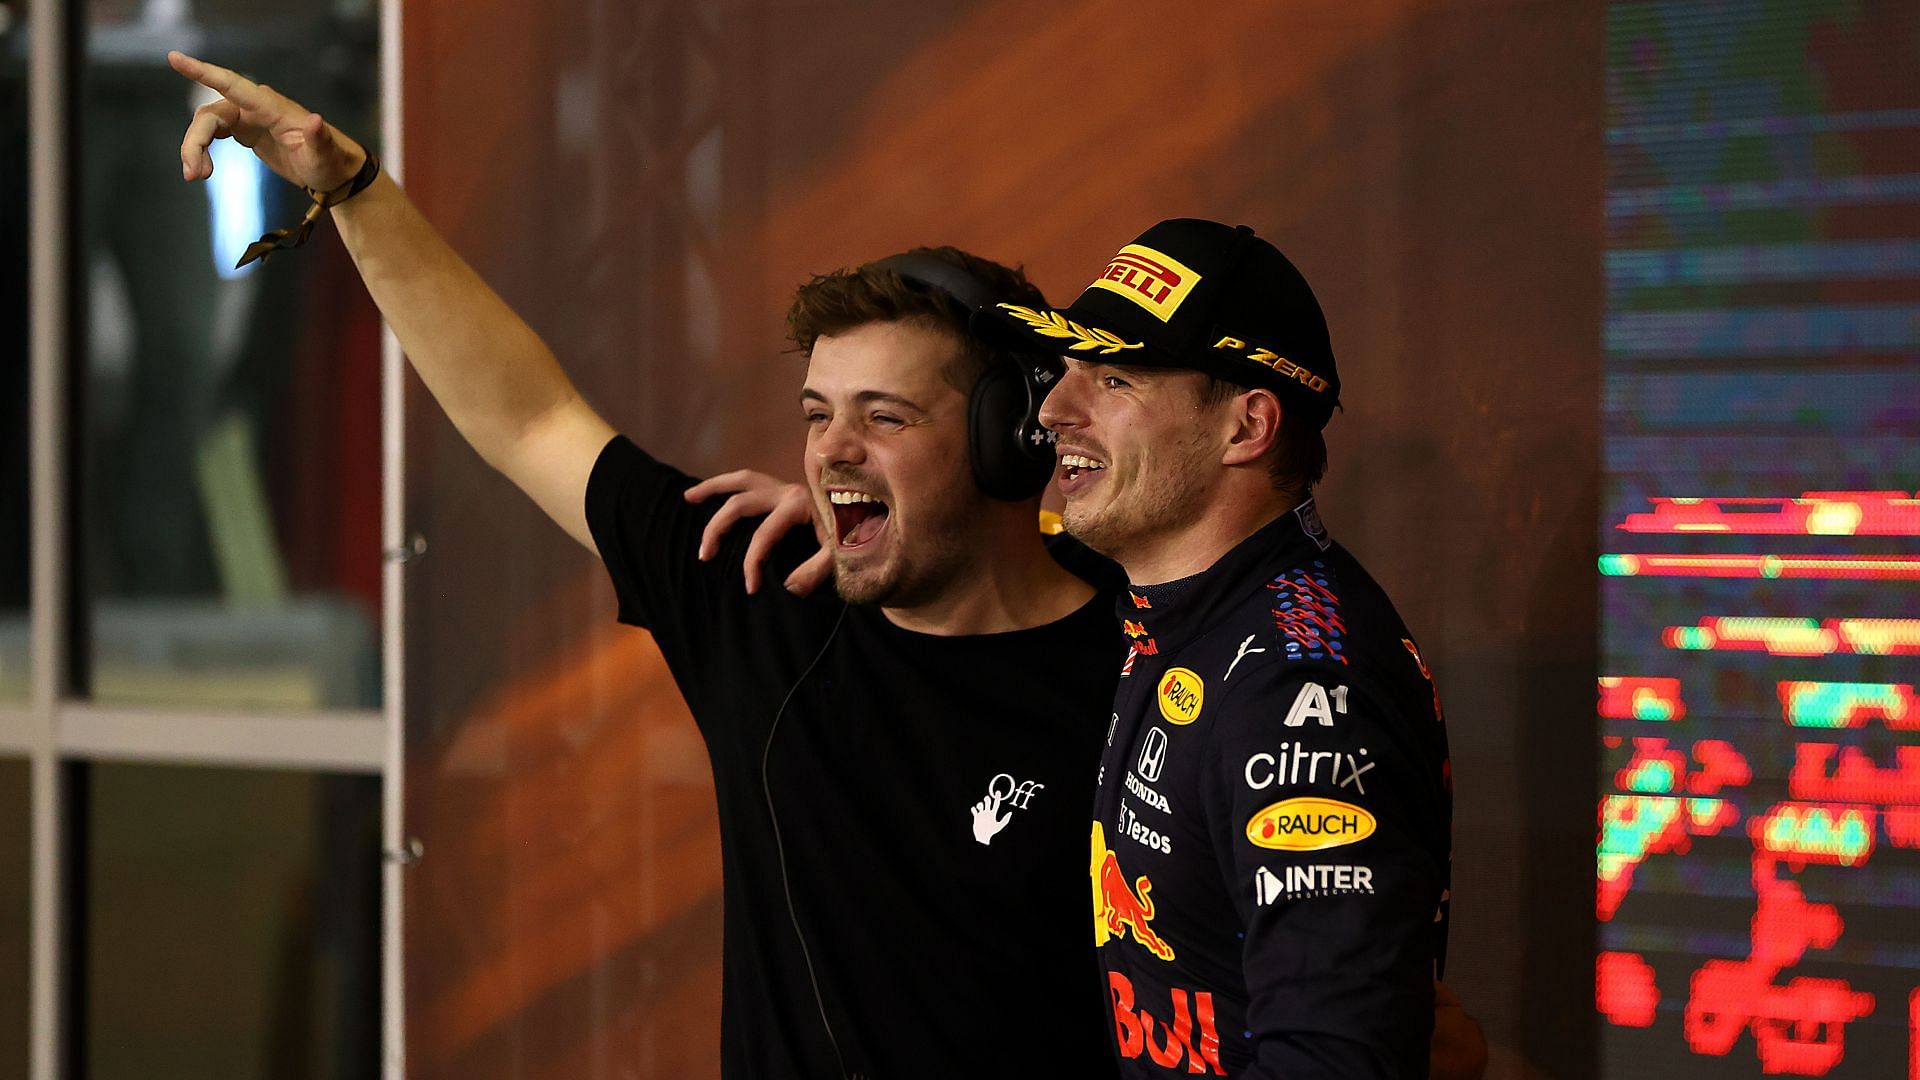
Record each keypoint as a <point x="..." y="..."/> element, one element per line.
<point x="1271" y="842"/>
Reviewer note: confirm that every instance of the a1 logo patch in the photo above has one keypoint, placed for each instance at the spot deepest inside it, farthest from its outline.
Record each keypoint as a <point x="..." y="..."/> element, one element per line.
<point x="1313" y="702"/>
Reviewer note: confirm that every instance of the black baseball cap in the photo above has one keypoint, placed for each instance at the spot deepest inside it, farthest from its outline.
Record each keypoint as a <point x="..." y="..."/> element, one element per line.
<point x="1194" y="294"/>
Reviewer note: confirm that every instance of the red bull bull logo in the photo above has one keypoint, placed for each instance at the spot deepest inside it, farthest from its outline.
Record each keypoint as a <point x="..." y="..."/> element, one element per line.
<point x="1119" y="907"/>
<point x="1140" y="601"/>
<point x="1175" y="1043"/>
<point x="1133" y="629"/>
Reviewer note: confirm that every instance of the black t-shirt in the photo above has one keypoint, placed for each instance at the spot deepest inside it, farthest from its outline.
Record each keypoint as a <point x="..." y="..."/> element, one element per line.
<point x="851" y="759"/>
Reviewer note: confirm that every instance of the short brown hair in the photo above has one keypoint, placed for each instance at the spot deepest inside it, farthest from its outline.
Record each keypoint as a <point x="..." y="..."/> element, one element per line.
<point x="844" y="299"/>
<point x="1299" y="456"/>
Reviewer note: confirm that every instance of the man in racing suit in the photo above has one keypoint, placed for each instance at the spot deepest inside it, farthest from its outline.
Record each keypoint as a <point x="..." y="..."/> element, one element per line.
<point x="935" y="735"/>
<point x="1270" y="846"/>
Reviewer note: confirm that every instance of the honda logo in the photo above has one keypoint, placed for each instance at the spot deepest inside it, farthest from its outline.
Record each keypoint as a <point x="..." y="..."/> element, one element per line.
<point x="1153" y="755"/>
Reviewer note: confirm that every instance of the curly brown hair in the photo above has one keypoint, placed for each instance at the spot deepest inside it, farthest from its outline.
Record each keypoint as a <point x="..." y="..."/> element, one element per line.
<point x="836" y="302"/>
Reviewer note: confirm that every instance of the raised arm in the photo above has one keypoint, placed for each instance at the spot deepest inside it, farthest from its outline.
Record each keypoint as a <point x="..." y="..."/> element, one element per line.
<point x="497" y="381"/>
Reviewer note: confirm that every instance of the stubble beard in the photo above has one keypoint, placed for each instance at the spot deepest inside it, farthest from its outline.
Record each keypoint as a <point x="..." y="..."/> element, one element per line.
<point x="910" y="577"/>
<point x="1161" y="502"/>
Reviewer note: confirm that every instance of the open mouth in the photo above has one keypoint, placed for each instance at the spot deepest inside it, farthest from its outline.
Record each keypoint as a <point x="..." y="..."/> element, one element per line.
<point x="857" y="517"/>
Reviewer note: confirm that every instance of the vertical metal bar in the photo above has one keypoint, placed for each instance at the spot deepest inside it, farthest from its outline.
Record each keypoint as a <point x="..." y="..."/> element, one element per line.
<point x="47" y="145"/>
<point x="393" y="526"/>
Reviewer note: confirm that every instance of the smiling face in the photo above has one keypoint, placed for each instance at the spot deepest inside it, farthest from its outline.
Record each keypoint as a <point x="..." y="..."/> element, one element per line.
<point x="887" y="463"/>
<point x="1139" y="449"/>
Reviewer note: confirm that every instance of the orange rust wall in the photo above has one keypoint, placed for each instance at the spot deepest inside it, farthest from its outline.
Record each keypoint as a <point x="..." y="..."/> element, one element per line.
<point x="1434" y="168"/>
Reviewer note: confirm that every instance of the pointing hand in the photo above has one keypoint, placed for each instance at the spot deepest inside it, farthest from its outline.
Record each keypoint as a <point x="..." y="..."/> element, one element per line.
<point x="985" y="824"/>
<point x="291" y="140"/>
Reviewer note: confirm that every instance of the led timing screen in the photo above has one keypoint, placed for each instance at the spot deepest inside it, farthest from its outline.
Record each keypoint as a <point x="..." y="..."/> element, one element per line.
<point x="1758" y="877"/>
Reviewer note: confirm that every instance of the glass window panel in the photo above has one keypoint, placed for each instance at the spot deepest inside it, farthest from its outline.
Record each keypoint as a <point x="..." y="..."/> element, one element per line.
<point x="13" y="351"/>
<point x="232" y="449"/>
<point x="229" y="923"/>
<point x="15" y="877"/>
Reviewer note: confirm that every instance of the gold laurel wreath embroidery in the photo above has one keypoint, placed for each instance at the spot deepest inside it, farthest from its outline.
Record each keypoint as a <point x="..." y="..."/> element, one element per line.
<point x="1055" y="325"/>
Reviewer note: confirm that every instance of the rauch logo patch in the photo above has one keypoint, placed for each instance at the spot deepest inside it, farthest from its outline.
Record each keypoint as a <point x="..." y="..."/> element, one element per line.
<point x="1181" y="695"/>
<point x="1309" y="824"/>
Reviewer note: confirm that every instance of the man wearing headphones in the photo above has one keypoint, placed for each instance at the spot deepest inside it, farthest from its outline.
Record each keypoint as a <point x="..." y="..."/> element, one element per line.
<point x="902" y="780"/>
<point x="902" y="771"/>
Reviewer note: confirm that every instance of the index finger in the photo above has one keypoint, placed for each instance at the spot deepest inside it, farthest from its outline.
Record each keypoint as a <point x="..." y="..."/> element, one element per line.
<point x="231" y="85"/>
<point x="728" y="483"/>
<point x="803" y="581"/>
<point x="732" y="510"/>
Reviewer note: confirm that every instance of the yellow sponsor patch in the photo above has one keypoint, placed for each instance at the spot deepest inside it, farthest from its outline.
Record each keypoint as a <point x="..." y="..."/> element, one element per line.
<point x="1149" y="278"/>
<point x="1181" y="695"/>
<point x="1309" y="824"/>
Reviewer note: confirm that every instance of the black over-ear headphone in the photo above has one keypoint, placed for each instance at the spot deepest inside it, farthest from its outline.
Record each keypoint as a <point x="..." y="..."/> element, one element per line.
<point x="1012" y="453"/>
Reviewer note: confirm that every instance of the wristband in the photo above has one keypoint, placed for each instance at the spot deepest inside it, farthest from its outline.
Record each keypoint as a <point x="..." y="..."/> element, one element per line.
<point x="281" y="239"/>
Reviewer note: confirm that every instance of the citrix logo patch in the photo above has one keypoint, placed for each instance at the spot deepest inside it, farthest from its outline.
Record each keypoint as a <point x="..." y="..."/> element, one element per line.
<point x="1265" y="770"/>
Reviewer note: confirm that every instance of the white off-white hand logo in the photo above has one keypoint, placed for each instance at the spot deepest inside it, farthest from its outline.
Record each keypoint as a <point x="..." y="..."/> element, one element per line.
<point x="985" y="825"/>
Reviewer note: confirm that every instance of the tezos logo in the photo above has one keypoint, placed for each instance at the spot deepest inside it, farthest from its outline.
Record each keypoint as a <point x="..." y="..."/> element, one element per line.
<point x="1131" y="827"/>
